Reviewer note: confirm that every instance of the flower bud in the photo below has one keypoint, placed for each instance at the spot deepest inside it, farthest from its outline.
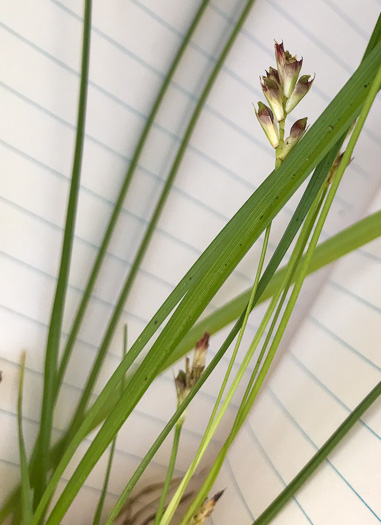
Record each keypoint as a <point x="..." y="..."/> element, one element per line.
<point x="266" y="119"/>
<point x="181" y="386"/>
<point x="205" y="510"/>
<point x="200" y="351"/>
<point x="288" y="69"/>
<point x="273" y="92"/>
<point x="335" y="166"/>
<point x="186" y="380"/>
<point x="296" y="133"/>
<point x="301" y="89"/>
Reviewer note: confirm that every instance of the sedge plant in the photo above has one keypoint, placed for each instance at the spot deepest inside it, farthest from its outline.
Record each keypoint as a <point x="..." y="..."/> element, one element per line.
<point x="297" y="156"/>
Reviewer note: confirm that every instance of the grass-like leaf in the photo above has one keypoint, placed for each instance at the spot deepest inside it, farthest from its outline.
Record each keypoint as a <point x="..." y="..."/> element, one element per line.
<point x="26" y="492"/>
<point x="169" y="475"/>
<point x="55" y="325"/>
<point x="213" y="268"/>
<point x="337" y="246"/>
<point x="99" y="509"/>
<point x="121" y="198"/>
<point x="251" y="395"/>
<point x="114" y="217"/>
<point x="102" y="351"/>
<point x="296" y="253"/>
<point x="276" y="506"/>
<point x="348" y="423"/>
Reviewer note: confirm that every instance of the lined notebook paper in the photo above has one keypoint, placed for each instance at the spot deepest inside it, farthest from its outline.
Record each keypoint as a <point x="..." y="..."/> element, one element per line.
<point x="330" y="358"/>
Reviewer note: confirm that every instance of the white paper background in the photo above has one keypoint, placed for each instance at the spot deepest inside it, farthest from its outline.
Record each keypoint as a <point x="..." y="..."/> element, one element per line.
<point x="330" y="359"/>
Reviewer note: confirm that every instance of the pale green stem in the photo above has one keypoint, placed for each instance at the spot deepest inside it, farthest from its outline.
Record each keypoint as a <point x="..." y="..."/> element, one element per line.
<point x="238" y="342"/>
<point x="279" y="149"/>
<point x="301" y="276"/>
<point x="26" y="494"/>
<point x="244" y="324"/>
<point x="304" y="234"/>
<point x="171" y="467"/>
<point x="292" y="264"/>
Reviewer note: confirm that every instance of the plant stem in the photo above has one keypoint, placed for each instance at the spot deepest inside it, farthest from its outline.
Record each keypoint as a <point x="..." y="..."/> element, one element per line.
<point x="168" y="478"/>
<point x="246" y="314"/>
<point x="286" y="285"/>
<point x="290" y="269"/>
<point x="26" y="493"/>
<point x="348" y="423"/>
<point x="279" y="149"/>
<point x="55" y="325"/>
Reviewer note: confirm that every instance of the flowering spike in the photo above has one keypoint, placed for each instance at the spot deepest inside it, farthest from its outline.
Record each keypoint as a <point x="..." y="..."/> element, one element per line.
<point x="186" y="380"/>
<point x="272" y="91"/>
<point x="296" y="133"/>
<point x="266" y="119"/>
<point x="288" y="69"/>
<point x="301" y="89"/>
<point x="335" y="166"/>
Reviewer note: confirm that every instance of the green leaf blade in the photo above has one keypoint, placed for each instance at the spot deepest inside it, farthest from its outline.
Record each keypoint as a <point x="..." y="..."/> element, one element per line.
<point x="222" y="256"/>
<point x="337" y="246"/>
<point x="55" y="325"/>
<point x="275" y="507"/>
<point x="26" y="491"/>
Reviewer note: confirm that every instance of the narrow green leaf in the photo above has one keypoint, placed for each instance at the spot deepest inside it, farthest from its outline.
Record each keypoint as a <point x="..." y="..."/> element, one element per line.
<point x="99" y="509"/>
<point x="250" y="395"/>
<point x="374" y="38"/>
<point x="215" y="265"/>
<point x="296" y="221"/>
<point x="337" y="246"/>
<point x="102" y="351"/>
<point x="111" y="226"/>
<point x="122" y="195"/>
<point x="297" y="251"/>
<point x="26" y="492"/>
<point x="343" y="429"/>
<point x="168" y="477"/>
<point x="276" y="506"/>
<point x="55" y="325"/>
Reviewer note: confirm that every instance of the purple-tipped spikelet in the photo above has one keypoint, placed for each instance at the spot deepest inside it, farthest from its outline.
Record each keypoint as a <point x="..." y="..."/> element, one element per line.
<point x="288" y="69"/>
<point x="205" y="510"/>
<point x="301" y="89"/>
<point x="273" y="93"/>
<point x="296" y="133"/>
<point x="266" y="119"/>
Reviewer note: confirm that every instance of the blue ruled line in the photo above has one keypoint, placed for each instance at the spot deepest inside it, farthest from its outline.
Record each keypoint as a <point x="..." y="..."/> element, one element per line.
<point x="308" y="438"/>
